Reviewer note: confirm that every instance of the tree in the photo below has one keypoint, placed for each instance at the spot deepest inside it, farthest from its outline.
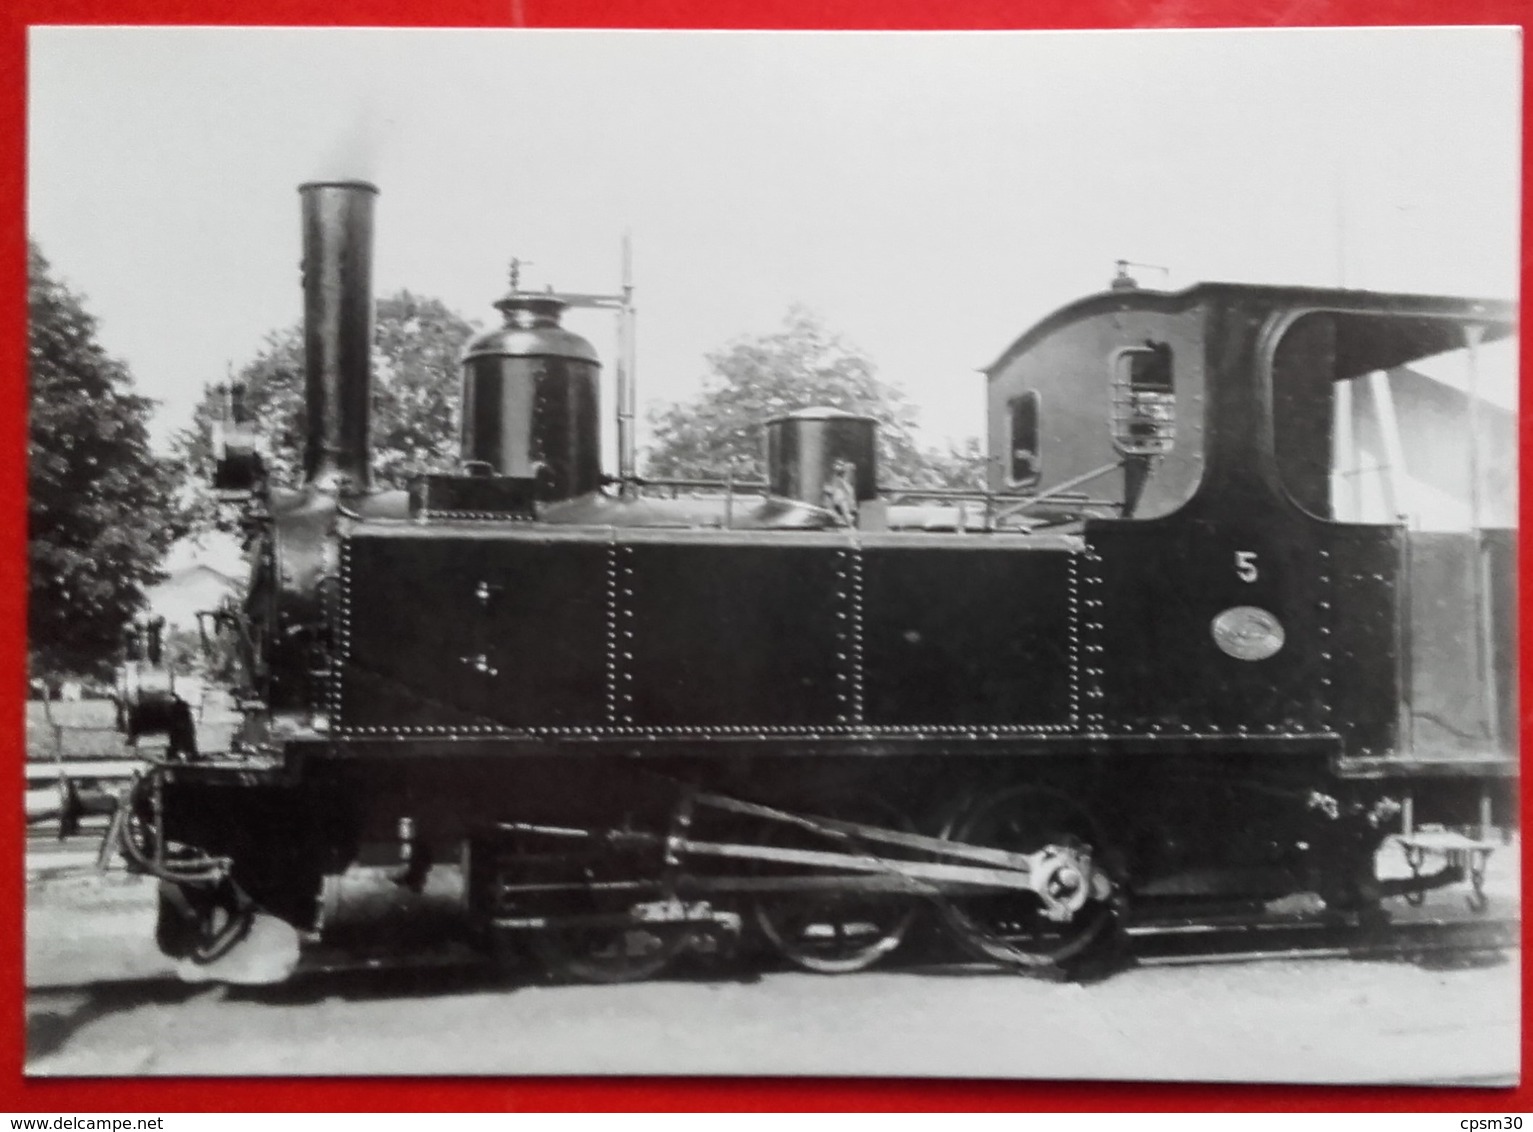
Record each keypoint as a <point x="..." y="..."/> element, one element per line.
<point x="416" y="343"/>
<point x="213" y="657"/>
<point x="753" y="379"/>
<point x="101" y="505"/>
<point x="756" y="378"/>
<point x="961" y="466"/>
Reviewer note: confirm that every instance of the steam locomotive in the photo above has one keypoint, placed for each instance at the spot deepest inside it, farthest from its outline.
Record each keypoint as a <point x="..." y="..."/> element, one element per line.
<point x="1181" y="650"/>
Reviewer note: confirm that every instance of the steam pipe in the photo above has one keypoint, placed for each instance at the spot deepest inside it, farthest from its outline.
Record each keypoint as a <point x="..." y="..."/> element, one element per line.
<point x="338" y="333"/>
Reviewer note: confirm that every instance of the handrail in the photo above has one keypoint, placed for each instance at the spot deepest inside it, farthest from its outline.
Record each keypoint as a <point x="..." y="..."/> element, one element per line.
<point x="1058" y="489"/>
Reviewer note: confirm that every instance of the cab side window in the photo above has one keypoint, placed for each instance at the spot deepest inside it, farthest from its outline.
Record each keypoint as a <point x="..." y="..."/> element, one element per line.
<point x="1144" y="399"/>
<point x="1025" y="465"/>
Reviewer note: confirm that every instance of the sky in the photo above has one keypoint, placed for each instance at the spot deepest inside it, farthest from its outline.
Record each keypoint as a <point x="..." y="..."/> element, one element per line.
<point x="930" y="196"/>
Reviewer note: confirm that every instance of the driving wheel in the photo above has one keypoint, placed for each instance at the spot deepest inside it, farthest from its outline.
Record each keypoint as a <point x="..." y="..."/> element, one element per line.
<point x="1019" y="929"/>
<point x="595" y="882"/>
<point x="836" y="931"/>
<point x="619" y="954"/>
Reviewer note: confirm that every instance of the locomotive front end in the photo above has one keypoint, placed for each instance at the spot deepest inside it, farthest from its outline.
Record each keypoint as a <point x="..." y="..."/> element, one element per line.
<point x="235" y="837"/>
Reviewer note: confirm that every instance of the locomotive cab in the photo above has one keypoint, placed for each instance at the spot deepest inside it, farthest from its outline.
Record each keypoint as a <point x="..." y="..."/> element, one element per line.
<point x="1103" y="401"/>
<point x="1315" y="490"/>
<point x="1401" y="421"/>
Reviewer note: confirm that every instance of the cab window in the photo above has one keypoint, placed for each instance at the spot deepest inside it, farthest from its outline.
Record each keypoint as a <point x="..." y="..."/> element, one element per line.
<point x="1144" y="399"/>
<point x="1026" y="464"/>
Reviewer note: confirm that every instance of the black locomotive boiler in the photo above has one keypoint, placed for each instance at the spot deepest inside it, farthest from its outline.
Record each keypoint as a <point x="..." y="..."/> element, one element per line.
<point x="1175" y="651"/>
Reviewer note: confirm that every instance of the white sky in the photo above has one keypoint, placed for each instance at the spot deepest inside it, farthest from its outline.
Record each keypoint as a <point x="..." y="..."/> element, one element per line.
<point x="930" y="195"/>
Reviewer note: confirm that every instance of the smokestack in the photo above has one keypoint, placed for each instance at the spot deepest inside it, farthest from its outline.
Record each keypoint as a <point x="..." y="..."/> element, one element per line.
<point x="338" y="332"/>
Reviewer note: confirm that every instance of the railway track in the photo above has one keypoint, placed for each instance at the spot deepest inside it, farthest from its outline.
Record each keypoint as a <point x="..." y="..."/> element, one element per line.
<point x="1446" y="944"/>
<point x="1320" y="938"/>
<point x="1219" y="940"/>
<point x="1175" y="936"/>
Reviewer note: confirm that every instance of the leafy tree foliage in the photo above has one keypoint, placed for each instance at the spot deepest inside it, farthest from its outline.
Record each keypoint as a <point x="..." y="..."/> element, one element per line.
<point x="214" y="658"/>
<point x="415" y="407"/>
<point x="101" y="505"/>
<point x="416" y="342"/>
<point x="961" y="466"/>
<point x="753" y="379"/>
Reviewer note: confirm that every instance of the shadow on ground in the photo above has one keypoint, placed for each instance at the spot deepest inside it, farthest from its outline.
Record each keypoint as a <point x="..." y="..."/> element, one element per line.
<point x="463" y="972"/>
<point x="49" y="1030"/>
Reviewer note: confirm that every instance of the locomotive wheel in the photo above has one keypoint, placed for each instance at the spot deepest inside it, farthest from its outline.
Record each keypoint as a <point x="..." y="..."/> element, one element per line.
<point x="1010" y="928"/>
<point x="606" y="955"/>
<point x="619" y="953"/>
<point x="836" y="933"/>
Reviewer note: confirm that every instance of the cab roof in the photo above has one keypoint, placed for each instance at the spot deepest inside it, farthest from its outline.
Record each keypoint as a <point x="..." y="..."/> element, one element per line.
<point x="1364" y="346"/>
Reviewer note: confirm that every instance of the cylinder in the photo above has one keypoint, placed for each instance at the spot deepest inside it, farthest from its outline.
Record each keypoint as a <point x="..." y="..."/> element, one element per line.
<point x="531" y="401"/>
<point x="808" y="451"/>
<point x="338" y="332"/>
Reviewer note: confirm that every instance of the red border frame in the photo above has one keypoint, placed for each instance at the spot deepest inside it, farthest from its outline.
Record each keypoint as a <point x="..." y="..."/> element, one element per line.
<point x="582" y="1094"/>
